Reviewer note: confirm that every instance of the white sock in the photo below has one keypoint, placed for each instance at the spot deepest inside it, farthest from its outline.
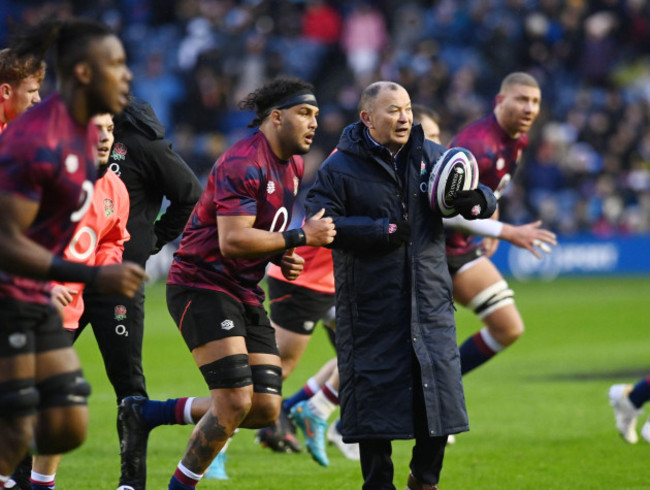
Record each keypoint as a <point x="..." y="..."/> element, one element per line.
<point x="322" y="404"/>
<point x="313" y="385"/>
<point x="188" y="473"/>
<point x="491" y="341"/>
<point x="187" y="411"/>
<point x="42" y="479"/>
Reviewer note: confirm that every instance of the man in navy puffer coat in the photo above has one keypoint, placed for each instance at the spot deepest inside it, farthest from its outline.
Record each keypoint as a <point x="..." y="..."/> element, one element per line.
<point x="396" y="336"/>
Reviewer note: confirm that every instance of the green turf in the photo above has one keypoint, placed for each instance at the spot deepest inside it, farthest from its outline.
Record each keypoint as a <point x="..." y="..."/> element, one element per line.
<point x="539" y="413"/>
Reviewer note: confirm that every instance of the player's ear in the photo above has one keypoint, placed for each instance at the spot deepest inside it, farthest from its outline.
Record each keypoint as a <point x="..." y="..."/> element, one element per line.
<point x="83" y="72"/>
<point x="276" y="117"/>
<point x="366" y="119"/>
<point x="5" y="91"/>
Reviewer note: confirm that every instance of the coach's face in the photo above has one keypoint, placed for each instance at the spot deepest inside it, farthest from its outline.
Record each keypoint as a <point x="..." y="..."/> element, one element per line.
<point x="297" y="129"/>
<point x="389" y="117"/>
<point x="108" y="85"/>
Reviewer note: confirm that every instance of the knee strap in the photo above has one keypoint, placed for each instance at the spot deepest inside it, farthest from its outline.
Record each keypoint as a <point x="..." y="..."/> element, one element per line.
<point x="64" y="390"/>
<point x="491" y="299"/>
<point x="18" y="398"/>
<point x="267" y="379"/>
<point x="228" y="372"/>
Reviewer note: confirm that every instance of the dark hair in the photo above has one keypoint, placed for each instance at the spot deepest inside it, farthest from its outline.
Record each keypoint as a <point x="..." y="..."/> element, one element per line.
<point x="264" y="98"/>
<point x="14" y="69"/>
<point x="420" y="111"/>
<point x="70" y="38"/>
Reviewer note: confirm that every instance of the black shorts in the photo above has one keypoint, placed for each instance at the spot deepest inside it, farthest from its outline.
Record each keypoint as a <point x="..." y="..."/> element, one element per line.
<point x="203" y="315"/>
<point x="455" y="262"/>
<point x="30" y="328"/>
<point x="296" y="308"/>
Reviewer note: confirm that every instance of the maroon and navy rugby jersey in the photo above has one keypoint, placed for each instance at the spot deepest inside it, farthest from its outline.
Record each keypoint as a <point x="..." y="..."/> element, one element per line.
<point x="247" y="180"/>
<point x="48" y="158"/>
<point x="497" y="155"/>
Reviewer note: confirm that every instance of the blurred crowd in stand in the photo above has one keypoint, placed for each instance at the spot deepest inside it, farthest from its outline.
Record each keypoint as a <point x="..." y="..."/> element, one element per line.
<point x="587" y="168"/>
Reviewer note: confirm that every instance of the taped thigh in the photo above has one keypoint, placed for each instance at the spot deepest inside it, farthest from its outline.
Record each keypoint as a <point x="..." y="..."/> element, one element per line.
<point x="64" y="390"/>
<point x="491" y="299"/>
<point x="267" y="378"/>
<point x="228" y="372"/>
<point x="18" y="398"/>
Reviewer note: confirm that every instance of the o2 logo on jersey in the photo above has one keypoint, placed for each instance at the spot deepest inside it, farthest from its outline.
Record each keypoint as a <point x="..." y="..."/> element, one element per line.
<point x="87" y="190"/>
<point x="84" y="237"/>
<point x="115" y="168"/>
<point x="283" y="214"/>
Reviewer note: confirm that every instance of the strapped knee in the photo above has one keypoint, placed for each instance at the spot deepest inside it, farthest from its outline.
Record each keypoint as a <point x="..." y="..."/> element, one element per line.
<point x="64" y="390"/>
<point x="18" y="398"/>
<point x="267" y="379"/>
<point x="228" y="372"/>
<point x="491" y="299"/>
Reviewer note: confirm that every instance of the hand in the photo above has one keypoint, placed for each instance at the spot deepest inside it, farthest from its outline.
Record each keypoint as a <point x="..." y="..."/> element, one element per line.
<point x="399" y="233"/>
<point x="318" y="230"/>
<point x="470" y="204"/>
<point x="530" y="236"/>
<point x="124" y="279"/>
<point x="61" y="295"/>
<point x="291" y="264"/>
<point x="489" y="246"/>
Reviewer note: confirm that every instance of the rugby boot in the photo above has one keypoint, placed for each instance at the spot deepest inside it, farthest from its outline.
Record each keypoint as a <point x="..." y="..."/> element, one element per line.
<point x="281" y="436"/>
<point x="625" y="413"/>
<point x="134" y="436"/>
<point x="313" y="428"/>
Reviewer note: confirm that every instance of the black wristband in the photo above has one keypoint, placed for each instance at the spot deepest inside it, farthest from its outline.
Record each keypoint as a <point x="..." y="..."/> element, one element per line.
<point x="294" y="238"/>
<point x="67" y="271"/>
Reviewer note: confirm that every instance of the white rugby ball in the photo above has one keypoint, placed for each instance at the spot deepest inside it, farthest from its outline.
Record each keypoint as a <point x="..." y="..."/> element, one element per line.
<point x="456" y="170"/>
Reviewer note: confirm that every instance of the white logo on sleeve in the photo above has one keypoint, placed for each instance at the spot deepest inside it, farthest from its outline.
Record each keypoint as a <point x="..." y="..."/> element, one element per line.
<point x="71" y="163"/>
<point x="270" y="187"/>
<point x="17" y="340"/>
<point x="227" y="324"/>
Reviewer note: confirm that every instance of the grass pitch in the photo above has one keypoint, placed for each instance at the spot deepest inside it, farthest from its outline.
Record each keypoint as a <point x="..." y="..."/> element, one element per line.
<point x="539" y="413"/>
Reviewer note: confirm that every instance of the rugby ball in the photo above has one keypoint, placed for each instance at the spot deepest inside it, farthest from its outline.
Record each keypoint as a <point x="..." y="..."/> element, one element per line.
<point x="456" y="170"/>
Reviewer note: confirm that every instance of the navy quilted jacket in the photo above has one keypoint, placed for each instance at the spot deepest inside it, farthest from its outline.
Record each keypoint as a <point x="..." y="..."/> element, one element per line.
<point x="394" y="306"/>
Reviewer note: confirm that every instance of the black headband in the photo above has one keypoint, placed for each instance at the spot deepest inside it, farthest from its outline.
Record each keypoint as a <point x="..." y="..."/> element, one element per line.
<point x="302" y="97"/>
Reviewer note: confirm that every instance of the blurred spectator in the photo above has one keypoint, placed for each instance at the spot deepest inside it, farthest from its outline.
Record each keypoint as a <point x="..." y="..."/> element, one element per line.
<point x="588" y="164"/>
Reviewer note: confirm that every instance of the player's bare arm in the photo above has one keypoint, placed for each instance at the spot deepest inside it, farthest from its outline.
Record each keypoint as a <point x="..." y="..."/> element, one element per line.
<point x="238" y="238"/>
<point x="19" y="254"/>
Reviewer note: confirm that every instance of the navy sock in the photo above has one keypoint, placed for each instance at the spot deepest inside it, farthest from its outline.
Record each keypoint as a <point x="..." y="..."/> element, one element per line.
<point x="297" y="397"/>
<point x="36" y="486"/>
<point x="640" y="393"/>
<point x="338" y="425"/>
<point x="473" y="353"/>
<point x="155" y="413"/>
<point x="175" y="484"/>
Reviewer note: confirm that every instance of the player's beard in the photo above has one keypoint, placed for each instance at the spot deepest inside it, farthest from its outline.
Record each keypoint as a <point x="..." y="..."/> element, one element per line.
<point x="100" y="103"/>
